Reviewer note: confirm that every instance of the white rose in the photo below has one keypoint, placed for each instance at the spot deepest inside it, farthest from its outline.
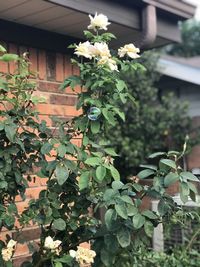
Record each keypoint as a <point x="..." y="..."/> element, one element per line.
<point x="48" y="243"/>
<point x="72" y="253"/>
<point x="11" y="244"/>
<point x="111" y="63"/>
<point x="101" y="50"/>
<point x="85" y="49"/>
<point x="52" y="245"/>
<point x="130" y="50"/>
<point x="85" y="255"/>
<point x="7" y="253"/>
<point x="99" y="21"/>
<point x="57" y="243"/>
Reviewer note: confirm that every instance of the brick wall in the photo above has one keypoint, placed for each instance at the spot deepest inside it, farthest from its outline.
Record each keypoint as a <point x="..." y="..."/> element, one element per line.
<point x="51" y="69"/>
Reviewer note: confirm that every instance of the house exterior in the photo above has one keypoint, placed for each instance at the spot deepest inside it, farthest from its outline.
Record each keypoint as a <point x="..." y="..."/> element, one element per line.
<point x="182" y="76"/>
<point x="44" y="29"/>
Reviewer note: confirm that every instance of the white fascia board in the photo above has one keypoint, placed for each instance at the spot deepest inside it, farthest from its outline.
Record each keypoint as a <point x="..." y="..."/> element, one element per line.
<point x="179" y="71"/>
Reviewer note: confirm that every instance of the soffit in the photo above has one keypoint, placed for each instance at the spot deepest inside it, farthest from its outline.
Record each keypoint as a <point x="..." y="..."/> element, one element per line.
<point x="73" y="19"/>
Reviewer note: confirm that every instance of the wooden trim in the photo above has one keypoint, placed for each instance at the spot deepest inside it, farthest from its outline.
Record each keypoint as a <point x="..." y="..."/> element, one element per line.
<point x="29" y="36"/>
<point x="116" y="11"/>
<point x="176" y="8"/>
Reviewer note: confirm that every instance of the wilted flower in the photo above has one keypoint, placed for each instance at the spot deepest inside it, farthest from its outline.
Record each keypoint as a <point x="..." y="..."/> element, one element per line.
<point x="83" y="255"/>
<point x="52" y="245"/>
<point x="101" y="50"/>
<point x="8" y="251"/>
<point x="85" y="49"/>
<point x="111" y="63"/>
<point x="130" y="50"/>
<point x="99" y="21"/>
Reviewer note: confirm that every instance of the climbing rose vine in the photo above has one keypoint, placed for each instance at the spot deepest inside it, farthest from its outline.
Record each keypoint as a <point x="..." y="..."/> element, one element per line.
<point x="84" y="199"/>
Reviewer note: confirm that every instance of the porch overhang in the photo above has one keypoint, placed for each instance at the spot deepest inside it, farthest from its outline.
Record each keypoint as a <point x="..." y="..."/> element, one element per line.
<point x="130" y="19"/>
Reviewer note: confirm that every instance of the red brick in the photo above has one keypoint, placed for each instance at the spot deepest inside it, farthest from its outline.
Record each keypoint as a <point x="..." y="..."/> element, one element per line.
<point x="33" y="56"/>
<point x="51" y="86"/>
<point x="42" y="64"/>
<point x="21" y="249"/>
<point x="75" y="70"/>
<point x="193" y="159"/>
<point x="63" y="100"/>
<point x="47" y="119"/>
<point x="19" y="260"/>
<point x="3" y="65"/>
<point x="32" y="193"/>
<point x="28" y="234"/>
<point x="58" y="110"/>
<point x="13" y="49"/>
<point x="67" y="66"/>
<point x="59" y="67"/>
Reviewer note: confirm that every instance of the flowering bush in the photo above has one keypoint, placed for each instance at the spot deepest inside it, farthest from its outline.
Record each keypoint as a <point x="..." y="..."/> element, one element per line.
<point x="82" y="181"/>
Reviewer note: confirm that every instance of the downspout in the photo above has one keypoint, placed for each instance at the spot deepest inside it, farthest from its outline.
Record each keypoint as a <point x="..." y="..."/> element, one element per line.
<point x="149" y="26"/>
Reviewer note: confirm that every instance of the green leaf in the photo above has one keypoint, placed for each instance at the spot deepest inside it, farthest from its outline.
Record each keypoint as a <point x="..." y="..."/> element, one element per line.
<point x="106" y="258"/>
<point x="62" y="173"/>
<point x="145" y="173"/>
<point x="184" y="191"/>
<point x="9" y="264"/>
<point x="163" y="207"/>
<point x="65" y="259"/>
<point x="58" y="264"/>
<point x="116" y="185"/>
<point x="9" y="57"/>
<point x="189" y="176"/>
<point x="100" y="173"/>
<point x="95" y="127"/>
<point x="148" y="228"/>
<point x="114" y="172"/>
<point x="171" y="178"/>
<point x="85" y="140"/>
<point x="192" y="187"/>
<point x="108" y="115"/>
<point x="121" y="85"/>
<point x="59" y="224"/>
<point x="168" y="162"/>
<point x="157" y="154"/>
<point x="10" y="131"/>
<point x="3" y="185"/>
<point x="109" y="195"/>
<point x="148" y="166"/>
<point x="120" y="113"/>
<point x="111" y="243"/>
<point x="110" y="216"/>
<point x="149" y="214"/>
<point x="138" y="221"/>
<point x="84" y="180"/>
<point x="131" y="210"/>
<point x="93" y="161"/>
<point x="12" y="208"/>
<point x="61" y="150"/>
<point x="46" y="148"/>
<point x="2" y="49"/>
<point x="71" y="81"/>
<point x="127" y="199"/>
<point x="124" y="237"/>
<point x="111" y="151"/>
<point x="9" y="221"/>
<point x="121" y="210"/>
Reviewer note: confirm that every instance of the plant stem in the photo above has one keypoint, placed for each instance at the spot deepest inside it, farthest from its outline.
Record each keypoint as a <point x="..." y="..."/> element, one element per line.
<point x="193" y="239"/>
